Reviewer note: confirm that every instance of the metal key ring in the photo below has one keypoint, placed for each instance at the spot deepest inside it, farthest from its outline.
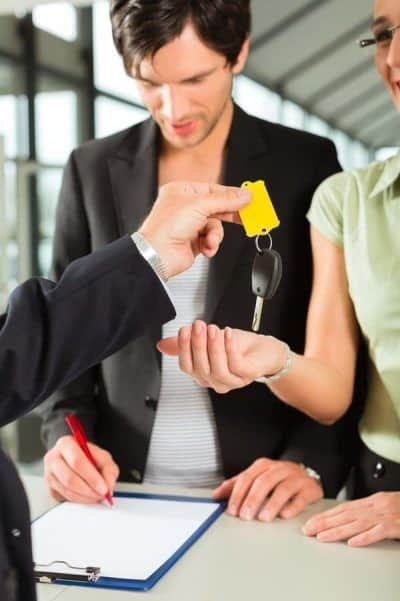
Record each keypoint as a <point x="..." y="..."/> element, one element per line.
<point x="259" y="249"/>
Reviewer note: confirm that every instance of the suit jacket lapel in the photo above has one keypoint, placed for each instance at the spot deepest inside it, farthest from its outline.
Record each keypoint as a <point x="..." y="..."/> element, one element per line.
<point x="245" y="160"/>
<point x="134" y="180"/>
<point x="133" y="172"/>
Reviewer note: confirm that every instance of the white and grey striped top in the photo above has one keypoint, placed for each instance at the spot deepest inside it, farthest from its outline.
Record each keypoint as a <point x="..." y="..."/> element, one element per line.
<point x="184" y="447"/>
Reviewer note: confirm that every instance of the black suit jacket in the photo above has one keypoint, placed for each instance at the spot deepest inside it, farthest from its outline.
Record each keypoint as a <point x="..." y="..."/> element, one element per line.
<point x="48" y="336"/>
<point x="117" y="399"/>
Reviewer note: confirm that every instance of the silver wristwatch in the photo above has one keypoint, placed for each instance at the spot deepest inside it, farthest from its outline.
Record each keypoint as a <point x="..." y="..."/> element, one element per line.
<point x="151" y="255"/>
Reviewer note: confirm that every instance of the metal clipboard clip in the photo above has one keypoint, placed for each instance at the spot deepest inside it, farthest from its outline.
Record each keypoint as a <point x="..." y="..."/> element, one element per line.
<point x="45" y="572"/>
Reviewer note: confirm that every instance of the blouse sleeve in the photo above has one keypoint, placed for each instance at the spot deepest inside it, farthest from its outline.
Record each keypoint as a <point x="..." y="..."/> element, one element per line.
<point x="326" y="211"/>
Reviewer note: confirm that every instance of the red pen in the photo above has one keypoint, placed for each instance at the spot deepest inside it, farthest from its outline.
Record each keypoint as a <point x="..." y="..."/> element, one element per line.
<point x="78" y="433"/>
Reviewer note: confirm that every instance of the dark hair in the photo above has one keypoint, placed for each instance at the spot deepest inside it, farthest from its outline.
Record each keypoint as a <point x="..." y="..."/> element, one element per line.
<point x="141" y="27"/>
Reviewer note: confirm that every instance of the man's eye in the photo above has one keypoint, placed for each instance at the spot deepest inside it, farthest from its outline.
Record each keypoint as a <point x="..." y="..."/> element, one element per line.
<point x="149" y="84"/>
<point x="383" y="37"/>
<point x="195" y="80"/>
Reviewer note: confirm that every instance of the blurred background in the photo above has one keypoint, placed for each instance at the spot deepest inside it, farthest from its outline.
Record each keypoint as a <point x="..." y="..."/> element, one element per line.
<point x="61" y="83"/>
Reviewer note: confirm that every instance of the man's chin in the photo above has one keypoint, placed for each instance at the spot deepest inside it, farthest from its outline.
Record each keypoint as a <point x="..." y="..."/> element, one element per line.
<point x="184" y="141"/>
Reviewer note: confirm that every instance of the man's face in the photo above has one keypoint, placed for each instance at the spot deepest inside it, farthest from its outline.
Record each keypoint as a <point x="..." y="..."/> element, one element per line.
<point x="387" y="54"/>
<point x="186" y="87"/>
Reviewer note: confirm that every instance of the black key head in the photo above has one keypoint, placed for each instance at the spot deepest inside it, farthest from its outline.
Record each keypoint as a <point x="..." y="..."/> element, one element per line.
<point x="266" y="273"/>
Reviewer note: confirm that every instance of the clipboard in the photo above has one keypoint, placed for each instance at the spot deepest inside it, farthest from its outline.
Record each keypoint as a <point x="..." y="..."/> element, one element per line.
<point x="54" y="563"/>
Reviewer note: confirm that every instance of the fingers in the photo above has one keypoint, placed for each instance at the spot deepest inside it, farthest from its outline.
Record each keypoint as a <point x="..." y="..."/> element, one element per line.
<point x="270" y="488"/>
<point x="185" y="350"/>
<point x="295" y="506"/>
<point x="291" y="492"/>
<point x="169" y="346"/>
<point x="361" y="522"/>
<point x="224" y="490"/>
<point x="332" y="526"/>
<point x="106" y="466"/>
<point x="222" y="379"/>
<point x="71" y="475"/>
<point x="272" y="482"/>
<point x="203" y="355"/>
<point x="358" y="504"/>
<point x="179" y="346"/>
<point x="324" y="520"/>
<point x="60" y="492"/>
<point x="63" y="483"/>
<point x="247" y="494"/>
<point x="344" y="532"/>
<point x="222" y="202"/>
<point x="77" y="462"/>
<point x="224" y="199"/>
<point x="178" y="226"/>
<point x="200" y="362"/>
<point x="301" y="501"/>
<point x="218" y="200"/>
<point x="372" y="535"/>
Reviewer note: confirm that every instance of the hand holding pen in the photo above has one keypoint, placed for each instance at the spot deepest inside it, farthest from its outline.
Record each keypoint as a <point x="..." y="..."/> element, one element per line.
<point x="79" y="435"/>
<point x="71" y="476"/>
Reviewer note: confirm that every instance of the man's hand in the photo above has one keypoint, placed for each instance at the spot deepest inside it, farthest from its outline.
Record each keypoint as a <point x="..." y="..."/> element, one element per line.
<point x="360" y="523"/>
<point x="269" y="488"/>
<point x="185" y="221"/>
<point x="70" y="475"/>
<point x="224" y="359"/>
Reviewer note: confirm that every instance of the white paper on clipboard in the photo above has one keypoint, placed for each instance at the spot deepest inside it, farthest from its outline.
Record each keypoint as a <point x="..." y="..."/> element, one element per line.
<point x="129" y="541"/>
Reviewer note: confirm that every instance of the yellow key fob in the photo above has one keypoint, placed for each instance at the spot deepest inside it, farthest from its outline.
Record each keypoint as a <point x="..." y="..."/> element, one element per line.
<point x="259" y="216"/>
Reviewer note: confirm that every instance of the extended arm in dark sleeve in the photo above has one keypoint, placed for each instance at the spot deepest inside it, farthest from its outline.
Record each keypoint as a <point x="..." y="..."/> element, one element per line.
<point x="51" y="333"/>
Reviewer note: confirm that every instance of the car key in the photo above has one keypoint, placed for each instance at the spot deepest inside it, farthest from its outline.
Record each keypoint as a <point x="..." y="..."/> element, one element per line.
<point x="266" y="275"/>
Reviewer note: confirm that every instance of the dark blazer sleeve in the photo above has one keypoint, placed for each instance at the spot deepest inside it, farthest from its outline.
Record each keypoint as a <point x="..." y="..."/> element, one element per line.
<point x="330" y="450"/>
<point x="51" y="333"/>
<point x="71" y="240"/>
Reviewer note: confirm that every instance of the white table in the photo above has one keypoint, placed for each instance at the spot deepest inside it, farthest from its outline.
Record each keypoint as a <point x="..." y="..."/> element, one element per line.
<point x="236" y="561"/>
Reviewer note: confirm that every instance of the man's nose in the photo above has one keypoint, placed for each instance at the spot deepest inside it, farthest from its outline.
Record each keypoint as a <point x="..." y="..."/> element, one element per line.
<point x="393" y="57"/>
<point x="175" y="105"/>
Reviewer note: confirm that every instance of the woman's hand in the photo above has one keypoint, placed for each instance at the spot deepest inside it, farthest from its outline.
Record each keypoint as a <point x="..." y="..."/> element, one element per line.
<point x="360" y="523"/>
<point x="224" y="359"/>
<point x="269" y="488"/>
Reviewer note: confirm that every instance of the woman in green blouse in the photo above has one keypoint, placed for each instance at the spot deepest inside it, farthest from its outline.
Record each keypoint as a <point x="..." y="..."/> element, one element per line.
<point x="355" y="232"/>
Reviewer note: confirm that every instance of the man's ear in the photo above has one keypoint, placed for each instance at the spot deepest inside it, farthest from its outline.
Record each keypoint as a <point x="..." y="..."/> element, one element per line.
<point x="242" y="57"/>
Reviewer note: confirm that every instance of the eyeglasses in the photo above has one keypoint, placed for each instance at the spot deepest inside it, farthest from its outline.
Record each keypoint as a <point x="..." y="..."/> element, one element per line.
<point x="381" y="38"/>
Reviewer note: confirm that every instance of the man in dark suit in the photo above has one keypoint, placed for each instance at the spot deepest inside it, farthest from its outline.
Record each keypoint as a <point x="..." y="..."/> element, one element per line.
<point x="110" y="297"/>
<point x="157" y="427"/>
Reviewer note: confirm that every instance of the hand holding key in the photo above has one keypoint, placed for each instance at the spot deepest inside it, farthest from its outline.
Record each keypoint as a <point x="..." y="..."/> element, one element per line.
<point x="224" y="359"/>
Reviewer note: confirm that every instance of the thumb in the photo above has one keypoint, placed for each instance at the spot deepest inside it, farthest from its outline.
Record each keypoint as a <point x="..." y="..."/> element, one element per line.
<point x="229" y="217"/>
<point x="211" y="238"/>
<point x="225" y="199"/>
<point x="224" y="490"/>
<point x="169" y="346"/>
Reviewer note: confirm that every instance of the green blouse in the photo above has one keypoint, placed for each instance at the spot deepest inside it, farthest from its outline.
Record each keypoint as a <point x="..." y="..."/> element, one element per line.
<point x="360" y="211"/>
